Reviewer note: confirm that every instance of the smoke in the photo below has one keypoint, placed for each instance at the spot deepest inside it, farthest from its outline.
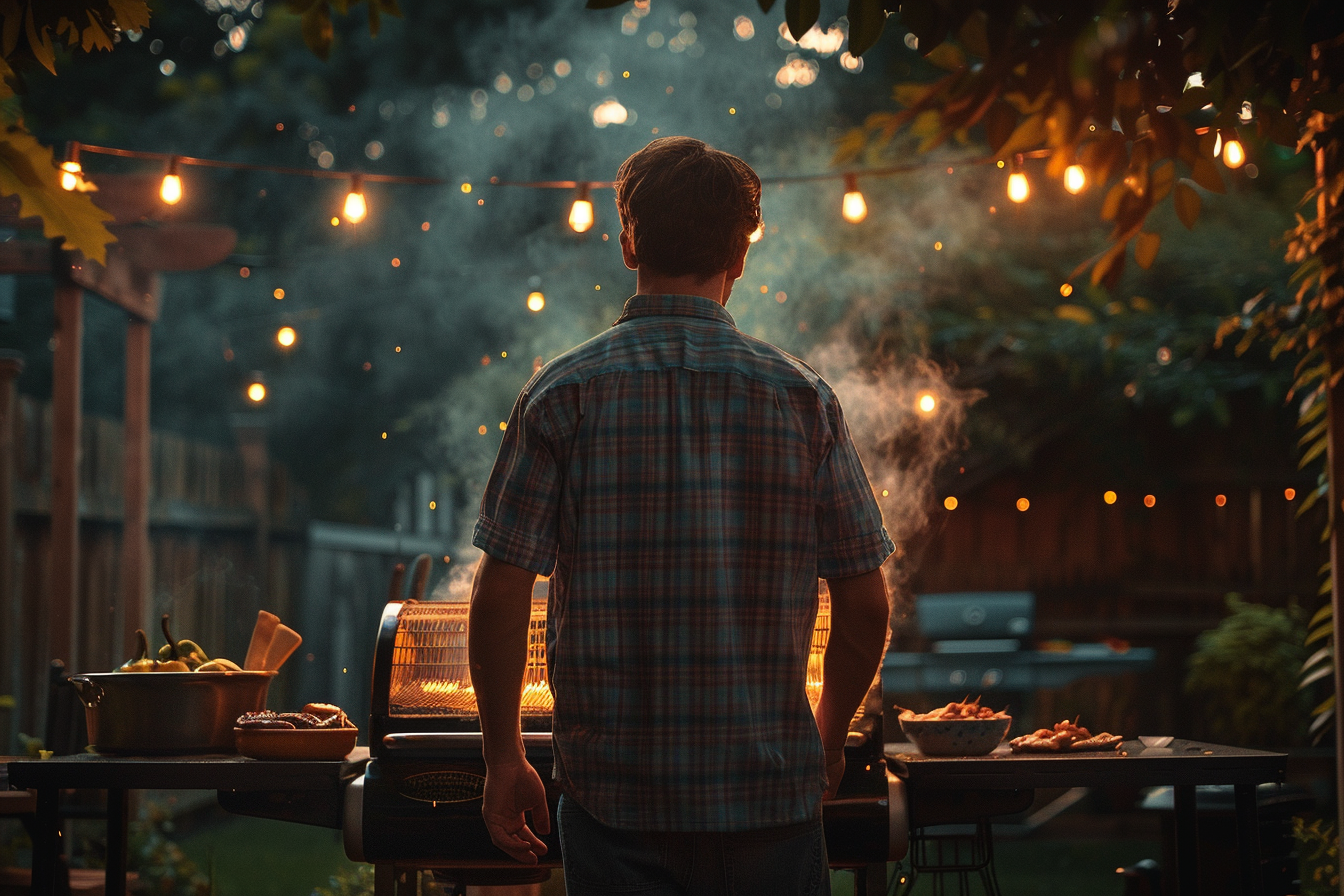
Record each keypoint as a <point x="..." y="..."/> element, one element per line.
<point x="819" y="288"/>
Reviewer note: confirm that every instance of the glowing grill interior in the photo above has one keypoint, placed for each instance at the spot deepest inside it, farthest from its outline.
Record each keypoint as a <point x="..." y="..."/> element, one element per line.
<point x="430" y="675"/>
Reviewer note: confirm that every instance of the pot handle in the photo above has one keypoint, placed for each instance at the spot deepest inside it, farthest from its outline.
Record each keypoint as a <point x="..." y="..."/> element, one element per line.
<point x="89" y="691"/>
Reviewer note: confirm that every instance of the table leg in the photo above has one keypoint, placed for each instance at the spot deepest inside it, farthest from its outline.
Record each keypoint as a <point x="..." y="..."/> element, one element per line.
<point x="46" y="842"/>
<point x="1187" y="846"/>
<point x="1248" y="840"/>
<point x="118" y="818"/>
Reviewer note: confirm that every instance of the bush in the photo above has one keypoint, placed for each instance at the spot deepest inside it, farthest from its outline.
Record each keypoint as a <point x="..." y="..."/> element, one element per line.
<point x="1244" y="673"/>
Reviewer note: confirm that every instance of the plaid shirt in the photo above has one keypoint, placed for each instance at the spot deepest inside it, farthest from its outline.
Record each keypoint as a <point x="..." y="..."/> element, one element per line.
<point x="685" y="485"/>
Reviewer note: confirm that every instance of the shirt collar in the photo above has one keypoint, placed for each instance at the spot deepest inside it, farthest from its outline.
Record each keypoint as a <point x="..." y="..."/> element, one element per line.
<point x="675" y="305"/>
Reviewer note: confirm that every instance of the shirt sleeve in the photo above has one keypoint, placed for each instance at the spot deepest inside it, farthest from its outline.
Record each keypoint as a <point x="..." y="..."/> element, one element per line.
<point x="851" y="538"/>
<point x="517" y="522"/>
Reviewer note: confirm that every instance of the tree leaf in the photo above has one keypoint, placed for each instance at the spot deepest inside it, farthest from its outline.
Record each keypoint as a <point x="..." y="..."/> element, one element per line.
<point x="39" y="42"/>
<point x="1145" y="249"/>
<point x="1108" y="268"/>
<point x="28" y="171"/>
<point x="1318" y="633"/>
<point x="1187" y="202"/>
<point x="1205" y="172"/>
<point x="866" y="18"/>
<point x="131" y="15"/>
<point x="1028" y="134"/>
<point x="801" y="15"/>
<point x="999" y="121"/>
<point x="1076" y="313"/>
<point x="1316" y="675"/>
<point x="948" y="57"/>
<point x="765" y="5"/>
<point x="1324" y="612"/>
<point x="973" y="34"/>
<point x="317" y="30"/>
<point x="1110" y="206"/>
<point x="1192" y="100"/>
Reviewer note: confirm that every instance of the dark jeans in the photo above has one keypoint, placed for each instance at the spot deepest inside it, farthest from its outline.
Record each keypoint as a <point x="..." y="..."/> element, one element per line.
<point x="603" y="861"/>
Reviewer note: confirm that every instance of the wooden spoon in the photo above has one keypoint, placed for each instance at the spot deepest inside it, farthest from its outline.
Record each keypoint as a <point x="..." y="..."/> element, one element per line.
<point x="283" y="644"/>
<point x="262" y="633"/>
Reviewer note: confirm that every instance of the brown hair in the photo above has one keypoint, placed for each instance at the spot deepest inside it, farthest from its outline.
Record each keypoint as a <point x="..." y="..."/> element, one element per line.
<point x="687" y="207"/>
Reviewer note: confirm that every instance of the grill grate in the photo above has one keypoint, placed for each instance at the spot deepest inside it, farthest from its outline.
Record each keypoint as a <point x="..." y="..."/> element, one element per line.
<point x="430" y="673"/>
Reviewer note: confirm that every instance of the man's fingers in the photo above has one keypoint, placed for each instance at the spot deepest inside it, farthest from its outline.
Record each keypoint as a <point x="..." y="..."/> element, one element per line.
<point x="521" y="845"/>
<point x="541" y="817"/>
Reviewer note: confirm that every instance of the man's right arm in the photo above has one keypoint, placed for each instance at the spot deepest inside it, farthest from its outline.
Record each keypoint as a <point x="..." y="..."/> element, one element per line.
<point x="859" y="627"/>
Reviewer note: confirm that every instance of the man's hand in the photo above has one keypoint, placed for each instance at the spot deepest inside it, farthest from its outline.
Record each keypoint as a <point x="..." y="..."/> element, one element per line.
<point x="512" y="789"/>
<point x="835" y="770"/>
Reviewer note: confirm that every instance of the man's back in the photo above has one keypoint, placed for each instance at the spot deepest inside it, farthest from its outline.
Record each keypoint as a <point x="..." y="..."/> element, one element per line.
<point x="693" y="472"/>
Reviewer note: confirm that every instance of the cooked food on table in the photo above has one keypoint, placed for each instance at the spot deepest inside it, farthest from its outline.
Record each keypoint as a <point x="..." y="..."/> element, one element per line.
<point x="1065" y="737"/>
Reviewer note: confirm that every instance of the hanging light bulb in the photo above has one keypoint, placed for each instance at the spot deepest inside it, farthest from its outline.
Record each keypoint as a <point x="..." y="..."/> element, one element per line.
<point x="581" y="212"/>
<point x="1018" y="188"/>
<point x="71" y="172"/>
<point x="355" y="208"/>
<point x="256" y="388"/>
<point x="1234" y="154"/>
<point x="286" y="336"/>
<point x="1075" y="179"/>
<point x="536" y="300"/>
<point x="170" y="191"/>
<point x="853" y="209"/>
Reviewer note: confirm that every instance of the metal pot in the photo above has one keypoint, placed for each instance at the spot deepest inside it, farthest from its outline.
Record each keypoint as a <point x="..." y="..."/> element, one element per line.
<point x="168" y="712"/>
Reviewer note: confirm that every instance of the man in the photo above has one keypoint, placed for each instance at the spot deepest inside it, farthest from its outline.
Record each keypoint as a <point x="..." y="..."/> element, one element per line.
<point x="684" y="485"/>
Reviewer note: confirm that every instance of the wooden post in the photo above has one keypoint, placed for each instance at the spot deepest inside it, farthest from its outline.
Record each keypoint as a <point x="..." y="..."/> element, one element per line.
<point x="65" y="444"/>
<point x="135" y="488"/>
<point x="11" y="612"/>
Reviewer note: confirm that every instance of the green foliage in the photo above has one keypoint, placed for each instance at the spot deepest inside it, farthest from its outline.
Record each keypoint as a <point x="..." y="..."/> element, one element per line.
<point x="1317" y="855"/>
<point x="1244" y="674"/>
<point x="163" y="868"/>
<point x="357" y="881"/>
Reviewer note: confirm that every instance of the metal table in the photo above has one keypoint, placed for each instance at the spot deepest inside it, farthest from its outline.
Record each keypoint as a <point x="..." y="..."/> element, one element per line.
<point x="1183" y="765"/>
<point x="312" y="788"/>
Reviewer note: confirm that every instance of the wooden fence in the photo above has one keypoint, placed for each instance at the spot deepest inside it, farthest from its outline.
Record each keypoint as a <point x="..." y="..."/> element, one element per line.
<point x="215" y="560"/>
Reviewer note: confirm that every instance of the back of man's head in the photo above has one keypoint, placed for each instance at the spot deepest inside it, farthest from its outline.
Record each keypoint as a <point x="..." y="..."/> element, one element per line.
<point x="687" y="207"/>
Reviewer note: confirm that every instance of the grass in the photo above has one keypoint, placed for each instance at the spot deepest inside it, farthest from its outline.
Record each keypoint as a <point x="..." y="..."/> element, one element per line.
<point x="259" y="857"/>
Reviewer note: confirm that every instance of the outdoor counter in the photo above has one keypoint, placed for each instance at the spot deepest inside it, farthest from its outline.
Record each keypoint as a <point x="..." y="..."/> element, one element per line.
<point x="312" y="788"/>
<point x="1183" y="765"/>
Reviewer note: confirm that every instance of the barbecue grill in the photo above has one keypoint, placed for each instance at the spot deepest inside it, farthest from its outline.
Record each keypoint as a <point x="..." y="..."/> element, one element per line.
<point x="977" y="648"/>
<point x="417" y="806"/>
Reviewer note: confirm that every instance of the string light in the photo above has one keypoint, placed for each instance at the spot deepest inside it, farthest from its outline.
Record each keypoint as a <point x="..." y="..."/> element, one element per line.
<point x="535" y="301"/>
<point x="853" y="208"/>
<point x="1075" y="179"/>
<point x="256" y="389"/>
<point x="356" y="209"/>
<point x="170" y="190"/>
<point x="581" y="212"/>
<point x="1018" y="188"/>
<point x="286" y="336"/>
<point x="71" y="174"/>
<point x="926" y="403"/>
<point x="1234" y="154"/>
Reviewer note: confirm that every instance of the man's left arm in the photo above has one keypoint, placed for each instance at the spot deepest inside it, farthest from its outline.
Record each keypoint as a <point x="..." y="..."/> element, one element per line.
<point x="501" y="608"/>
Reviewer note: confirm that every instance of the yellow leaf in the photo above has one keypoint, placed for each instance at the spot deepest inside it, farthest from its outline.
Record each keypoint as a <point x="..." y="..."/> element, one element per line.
<point x="132" y="15"/>
<point x="909" y="93"/>
<point x="1187" y="203"/>
<point x="1205" y="173"/>
<point x="39" y="42"/>
<point x="947" y="56"/>
<point x="1076" y="313"/>
<point x="1145" y="249"/>
<point x="95" y="38"/>
<point x="1028" y="134"/>
<point x="1164" y="175"/>
<point x="28" y="171"/>
<point x="1139" y="303"/>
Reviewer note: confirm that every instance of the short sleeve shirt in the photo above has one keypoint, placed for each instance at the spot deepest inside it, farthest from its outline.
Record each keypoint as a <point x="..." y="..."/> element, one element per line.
<point x="684" y="485"/>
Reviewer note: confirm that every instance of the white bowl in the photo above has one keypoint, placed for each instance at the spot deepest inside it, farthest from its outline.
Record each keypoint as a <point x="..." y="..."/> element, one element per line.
<point x="1153" y="740"/>
<point x="956" y="737"/>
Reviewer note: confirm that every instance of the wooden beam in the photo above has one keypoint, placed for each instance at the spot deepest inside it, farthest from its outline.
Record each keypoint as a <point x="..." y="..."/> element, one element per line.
<point x="65" y="441"/>
<point x="12" y="673"/>
<point x="135" y="488"/>
<point x="26" y="257"/>
<point x="131" y="288"/>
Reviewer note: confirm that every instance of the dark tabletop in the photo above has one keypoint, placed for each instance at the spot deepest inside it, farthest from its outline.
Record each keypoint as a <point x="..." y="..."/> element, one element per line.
<point x="207" y="772"/>
<point x="1183" y="762"/>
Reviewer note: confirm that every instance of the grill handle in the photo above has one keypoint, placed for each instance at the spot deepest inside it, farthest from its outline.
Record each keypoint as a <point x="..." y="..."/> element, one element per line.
<point x="454" y="740"/>
<point x="382" y="660"/>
